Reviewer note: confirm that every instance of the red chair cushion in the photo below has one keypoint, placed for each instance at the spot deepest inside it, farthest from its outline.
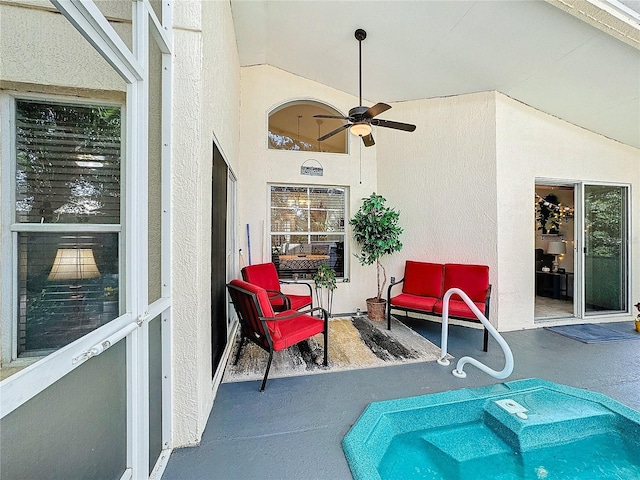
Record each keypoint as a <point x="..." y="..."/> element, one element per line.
<point x="264" y="275"/>
<point x="458" y="308"/>
<point x="298" y="301"/>
<point x="296" y="329"/>
<point x="421" y="278"/>
<point x="414" y="302"/>
<point x="266" y="310"/>
<point x="471" y="279"/>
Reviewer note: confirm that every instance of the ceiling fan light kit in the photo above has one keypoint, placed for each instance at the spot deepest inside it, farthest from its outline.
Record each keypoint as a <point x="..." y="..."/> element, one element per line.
<point x="361" y="129"/>
<point x="361" y="118"/>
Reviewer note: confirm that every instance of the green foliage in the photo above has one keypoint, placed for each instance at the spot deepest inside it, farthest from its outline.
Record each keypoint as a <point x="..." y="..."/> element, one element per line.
<point x="376" y="231"/>
<point x="605" y="211"/>
<point x="325" y="277"/>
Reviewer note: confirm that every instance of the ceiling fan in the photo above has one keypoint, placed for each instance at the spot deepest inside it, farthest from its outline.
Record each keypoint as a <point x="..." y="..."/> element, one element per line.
<point x="361" y="118"/>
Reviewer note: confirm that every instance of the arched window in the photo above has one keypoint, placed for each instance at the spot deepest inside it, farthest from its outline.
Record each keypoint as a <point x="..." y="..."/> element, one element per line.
<point x="292" y="126"/>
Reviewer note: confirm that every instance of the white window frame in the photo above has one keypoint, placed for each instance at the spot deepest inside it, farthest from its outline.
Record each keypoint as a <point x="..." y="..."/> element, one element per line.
<point x="9" y="256"/>
<point x="132" y="326"/>
<point x="346" y="222"/>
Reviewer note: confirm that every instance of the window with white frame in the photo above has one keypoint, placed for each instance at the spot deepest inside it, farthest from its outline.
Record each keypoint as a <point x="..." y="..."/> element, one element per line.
<point x="307" y="229"/>
<point x="66" y="221"/>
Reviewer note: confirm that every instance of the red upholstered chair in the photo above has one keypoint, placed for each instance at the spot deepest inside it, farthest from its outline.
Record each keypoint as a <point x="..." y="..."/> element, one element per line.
<point x="265" y="275"/>
<point x="269" y="330"/>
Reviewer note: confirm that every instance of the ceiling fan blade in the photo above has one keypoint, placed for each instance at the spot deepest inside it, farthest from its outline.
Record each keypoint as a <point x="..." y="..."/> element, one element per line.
<point x="333" y="132"/>
<point x="377" y="109"/>
<point x="407" y="127"/>
<point x="331" y="116"/>
<point x="368" y="140"/>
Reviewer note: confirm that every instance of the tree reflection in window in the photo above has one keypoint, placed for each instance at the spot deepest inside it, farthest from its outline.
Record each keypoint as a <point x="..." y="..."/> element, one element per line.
<point x="68" y="163"/>
<point x="293" y="126"/>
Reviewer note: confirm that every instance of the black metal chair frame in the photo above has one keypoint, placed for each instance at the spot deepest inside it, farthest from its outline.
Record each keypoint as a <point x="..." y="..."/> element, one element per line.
<point x="485" y="340"/>
<point x="248" y="333"/>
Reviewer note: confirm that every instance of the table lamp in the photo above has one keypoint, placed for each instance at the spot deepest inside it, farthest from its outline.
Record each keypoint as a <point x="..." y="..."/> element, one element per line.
<point x="74" y="264"/>
<point x="555" y="249"/>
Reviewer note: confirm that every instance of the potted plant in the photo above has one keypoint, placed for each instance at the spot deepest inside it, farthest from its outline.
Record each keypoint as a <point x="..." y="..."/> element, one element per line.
<point x="376" y="231"/>
<point x="325" y="279"/>
<point x="638" y="317"/>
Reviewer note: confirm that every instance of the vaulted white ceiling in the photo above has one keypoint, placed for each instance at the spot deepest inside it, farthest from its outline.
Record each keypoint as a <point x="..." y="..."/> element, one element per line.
<point x="569" y="58"/>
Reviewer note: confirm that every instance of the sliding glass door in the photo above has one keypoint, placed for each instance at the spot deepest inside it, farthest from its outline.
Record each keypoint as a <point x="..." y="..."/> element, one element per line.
<point x="605" y="249"/>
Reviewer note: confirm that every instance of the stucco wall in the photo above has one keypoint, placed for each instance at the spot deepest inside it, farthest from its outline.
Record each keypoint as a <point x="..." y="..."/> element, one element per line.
<point x="33" y="55"/>
<point x="263" y="88"/>
<point x="530" y="145"/>
<point x="442" y="178"/>
<point x="205" y="106"/>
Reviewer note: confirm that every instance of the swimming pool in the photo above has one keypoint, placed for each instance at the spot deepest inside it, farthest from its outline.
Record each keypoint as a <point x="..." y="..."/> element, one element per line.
<point x="525" y="429"/>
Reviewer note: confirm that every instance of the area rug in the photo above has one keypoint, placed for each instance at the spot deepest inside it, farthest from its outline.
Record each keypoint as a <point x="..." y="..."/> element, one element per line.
<point x="593" y="333"/>
<point x="354" y="343"/>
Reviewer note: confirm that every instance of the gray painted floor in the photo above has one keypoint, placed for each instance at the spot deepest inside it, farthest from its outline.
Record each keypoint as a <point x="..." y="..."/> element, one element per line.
<point x="293" y="430"/>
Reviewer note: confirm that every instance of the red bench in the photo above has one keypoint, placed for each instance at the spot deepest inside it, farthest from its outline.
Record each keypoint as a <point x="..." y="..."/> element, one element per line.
<point x="425" y="284"/>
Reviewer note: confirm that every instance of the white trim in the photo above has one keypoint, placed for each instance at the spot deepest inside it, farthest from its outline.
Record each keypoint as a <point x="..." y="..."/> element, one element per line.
<point x="619" y="10"/>
<point x="27" y="383"/>
<point x="66" y="227"/>
<point x="161" y="464"/>
<point x="87" y="18"/>
<point x="166" y="253"/>
<point x="137" y="269"/>
<point x="127" y="474"/>
<point x="163" y="36"/>
<point x="8" y="308"/>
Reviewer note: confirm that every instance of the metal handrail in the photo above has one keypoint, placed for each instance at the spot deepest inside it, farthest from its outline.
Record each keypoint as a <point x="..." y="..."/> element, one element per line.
<point x="459" y="372"/>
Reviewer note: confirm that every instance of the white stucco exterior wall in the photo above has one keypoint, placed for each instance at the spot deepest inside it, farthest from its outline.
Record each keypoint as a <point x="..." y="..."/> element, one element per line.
<point x="442" y="178"/>
<point x="472" y="165"/>
<point x="205" y="107"/>
<point x="264" y="88"/>
<point x="531" y="144"/>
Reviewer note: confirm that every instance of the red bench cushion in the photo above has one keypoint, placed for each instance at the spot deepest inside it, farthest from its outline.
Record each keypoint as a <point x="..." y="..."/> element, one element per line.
<point x="414" y="302"/>
<point x="458" y="308"/>
<point x="471" y="279"/>
<point x="423" y="279"/>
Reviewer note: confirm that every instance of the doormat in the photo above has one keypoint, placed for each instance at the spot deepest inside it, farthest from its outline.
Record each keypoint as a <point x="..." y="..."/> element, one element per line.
<point x="593" y="333"/>
<point x="354" y="343"/>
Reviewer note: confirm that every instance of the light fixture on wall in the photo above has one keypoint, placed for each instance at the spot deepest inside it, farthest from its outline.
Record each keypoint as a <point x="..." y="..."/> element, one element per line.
<point x="74" y="264"/>
<point x="361" y="129"/>
<point x="555" y="249"/>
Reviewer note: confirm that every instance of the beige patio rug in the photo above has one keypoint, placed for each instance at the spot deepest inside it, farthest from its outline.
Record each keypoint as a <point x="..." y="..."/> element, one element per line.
<point x="354" y="343"/>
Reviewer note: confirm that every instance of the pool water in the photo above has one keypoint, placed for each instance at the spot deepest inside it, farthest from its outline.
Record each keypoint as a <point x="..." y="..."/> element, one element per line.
<point x="604" y="456"/>
<point x="566" y="434"/>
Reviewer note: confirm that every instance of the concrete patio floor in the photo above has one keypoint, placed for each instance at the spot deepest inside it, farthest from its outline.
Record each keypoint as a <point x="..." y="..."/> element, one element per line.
<point x="293" y="430"/>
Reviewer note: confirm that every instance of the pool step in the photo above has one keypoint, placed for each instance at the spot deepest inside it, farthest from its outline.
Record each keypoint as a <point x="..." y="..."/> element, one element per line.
<point x="550" y="420"/>
<point x="464" y="443"/>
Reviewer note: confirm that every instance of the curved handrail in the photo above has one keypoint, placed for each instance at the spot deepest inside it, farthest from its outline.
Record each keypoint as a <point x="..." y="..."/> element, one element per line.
<point x="459" y="372"/>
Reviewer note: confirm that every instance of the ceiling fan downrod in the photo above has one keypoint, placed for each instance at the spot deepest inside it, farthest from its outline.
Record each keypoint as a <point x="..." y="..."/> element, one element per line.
<point x="360" y="36"/>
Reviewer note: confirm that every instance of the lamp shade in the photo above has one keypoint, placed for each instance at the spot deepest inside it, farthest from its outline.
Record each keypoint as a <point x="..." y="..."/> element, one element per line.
<point x="557" y="248"/>
<point x="362" y="129"/>
<point x="74" y="264"/>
